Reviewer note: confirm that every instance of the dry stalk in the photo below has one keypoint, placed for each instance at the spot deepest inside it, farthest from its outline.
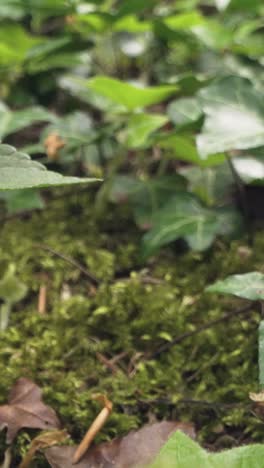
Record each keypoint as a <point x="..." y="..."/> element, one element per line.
<point x="94" y="429"/>
<point x="42" y="299"/>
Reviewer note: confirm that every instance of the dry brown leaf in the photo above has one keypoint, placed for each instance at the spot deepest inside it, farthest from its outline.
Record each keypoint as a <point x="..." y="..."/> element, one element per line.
<point x="53" y="143"/>
<point x="136" y="449"/>
<point x="26" y="409"/>
<point x="44" y="440"/>
<point x="257" y="397"/>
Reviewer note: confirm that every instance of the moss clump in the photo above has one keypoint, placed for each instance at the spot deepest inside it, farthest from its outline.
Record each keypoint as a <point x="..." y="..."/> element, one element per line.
<point x="135" y="309"/>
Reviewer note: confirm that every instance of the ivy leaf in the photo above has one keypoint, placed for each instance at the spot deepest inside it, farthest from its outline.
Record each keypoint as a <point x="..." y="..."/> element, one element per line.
<point x="18" y="171"/>
<point x="129" y="96"/>
<point x="12" y="290"/>
<point x="12" y="121"/>
<point x="183" y="216"/>
<point x="22" y="200"/>
<point x="184" y="110"/>
<point x="249" y="286"/>
<point x="181" y="451"/>
<point x="139" y="127"/>
<point x="184" y="149"/>
<point x="234" y="112"/>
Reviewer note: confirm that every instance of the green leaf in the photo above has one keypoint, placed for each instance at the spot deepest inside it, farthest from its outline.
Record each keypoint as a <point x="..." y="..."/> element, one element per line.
<point x="18" y="171"/>
<point x="214" y="35"/>
<point x="135" y="6"/>
<point x="184" y="111"/>
<point x="15" y="43"/>
<point x="261" y="353"/>
<point x="184" y="149"/>
<point x="213" y="185"/>
<point x="184" y="21"/>
<point x="129" y="96"/>
<point x="249" y="286"/>
<point x="12" y="289"/>
<point x="22" y="200"/>
<point x="12" y="121"/>
<point x="78" y="88"/>
<point x="182" y="217"/>
<point x="182" y="452"/>
<point x="139" y="127"/>
<point x="234" y="112"/>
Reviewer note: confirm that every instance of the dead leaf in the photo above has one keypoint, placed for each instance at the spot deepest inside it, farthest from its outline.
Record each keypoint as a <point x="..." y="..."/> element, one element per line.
<point x="26" y="409"/>
<point x="136" y="449"/>
<point x="44" y="440"/>
<point x="257" y="397"/>
<point x="53" y="143"/>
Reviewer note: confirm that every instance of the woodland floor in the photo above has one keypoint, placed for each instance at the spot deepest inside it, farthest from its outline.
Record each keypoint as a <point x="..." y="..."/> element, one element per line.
<point x="103" y="329"/>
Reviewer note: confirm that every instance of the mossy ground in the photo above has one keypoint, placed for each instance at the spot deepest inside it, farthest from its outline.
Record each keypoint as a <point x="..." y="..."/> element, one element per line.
<point x="136" y="308"/>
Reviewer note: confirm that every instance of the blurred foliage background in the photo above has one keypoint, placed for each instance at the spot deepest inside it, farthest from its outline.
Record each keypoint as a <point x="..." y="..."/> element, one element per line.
<point x="163" y="100"/>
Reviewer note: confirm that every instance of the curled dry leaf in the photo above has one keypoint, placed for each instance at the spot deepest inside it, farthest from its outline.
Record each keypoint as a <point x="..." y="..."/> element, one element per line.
<point x="53" y="144"/>
<point x="257" y="397"/>
<point x="136" y="449"/>
<point x="42" y="441"/>
<point x="25" y="408"/>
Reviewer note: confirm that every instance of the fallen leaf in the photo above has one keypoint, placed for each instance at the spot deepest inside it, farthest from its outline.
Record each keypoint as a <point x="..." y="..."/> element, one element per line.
<point x="26" y="409"/>
<point x="136" y="449"/>
<point x="53" y="143"/>
<point x="44" y="440"/>
<point x="257" y="397"/>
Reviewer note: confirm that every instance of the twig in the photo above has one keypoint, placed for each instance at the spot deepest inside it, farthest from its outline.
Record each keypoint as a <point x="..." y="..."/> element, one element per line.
<point x="93" y="430"/>
<point x="107" y="362"/>
<point x="42" y="299"/>
<point x="212" y="323"/>
<point x="70" y="260"/>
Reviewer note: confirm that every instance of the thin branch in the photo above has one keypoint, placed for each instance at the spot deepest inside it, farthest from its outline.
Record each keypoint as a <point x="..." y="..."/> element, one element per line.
<point x="70" y="260"/>
<point x="212" y="323"/>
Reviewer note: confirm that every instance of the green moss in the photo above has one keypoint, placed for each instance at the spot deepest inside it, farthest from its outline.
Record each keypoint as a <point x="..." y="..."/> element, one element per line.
<point x="135" y="309"/>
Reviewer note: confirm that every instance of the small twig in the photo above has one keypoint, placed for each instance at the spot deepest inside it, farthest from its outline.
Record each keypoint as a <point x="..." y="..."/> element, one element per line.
<point x="94" y="429"/>
<point x="42" y="299"/>
<point x="107" y="362"/>
<point x="212" y="323"/>
<point x="70" y="260"/>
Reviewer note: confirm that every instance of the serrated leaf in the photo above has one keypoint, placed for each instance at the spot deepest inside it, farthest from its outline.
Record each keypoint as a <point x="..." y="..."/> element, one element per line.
<point x="129" y="96"/>
<point x="18" y="171"/>
<point x="249" y="286"/>
<point x="234" y="112"/>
